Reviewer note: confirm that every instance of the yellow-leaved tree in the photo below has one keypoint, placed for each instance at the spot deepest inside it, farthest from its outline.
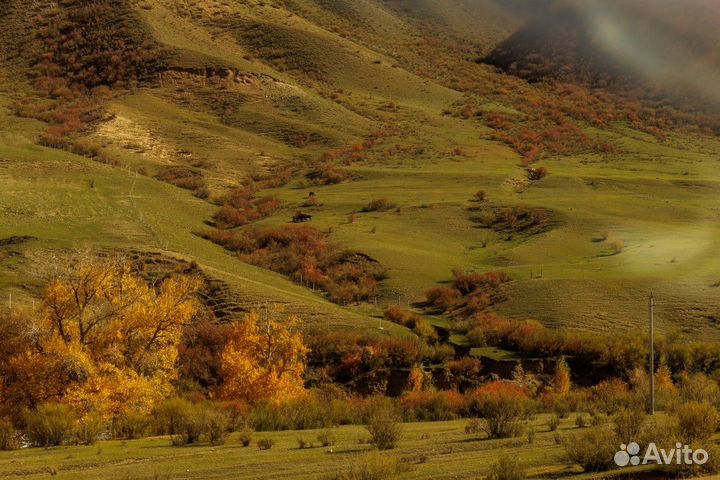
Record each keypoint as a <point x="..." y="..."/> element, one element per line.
<point x="561" y="378"/>
<point x="263" y="360"/>
<point x="103" y="340"/>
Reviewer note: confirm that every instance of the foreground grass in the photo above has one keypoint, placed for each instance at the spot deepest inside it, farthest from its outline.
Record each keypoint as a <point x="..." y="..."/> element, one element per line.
<point x="433" y="450"/>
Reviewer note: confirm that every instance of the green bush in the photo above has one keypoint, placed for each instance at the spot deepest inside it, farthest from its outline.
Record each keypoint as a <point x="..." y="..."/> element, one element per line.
<point x="131" y="425"/>
<point x="49" y="425"/>
<point x="506" y="468"/>
<point x="659" y="429"/>
<point x="711" y="467"/>
<point x="384" y="429"/>
<point x="593" y="449"/>
<point x="171" y="416"/>
<point x="697" y="421"/>
<point x="699" y="388"/>
<point x="530" y="435"/>
<point x="476" y="337"/>
<point x="303" y="414"/>
<point x="629" y="424"/>
<point x="582" y="420"/>
<point x="553" y="423"/>
<point x="370" y="466"/>
<point x="379" y="205"/>
<point x="217" y="424"/>
<point x="9" y="436"/>
<point x="189" y="423"/>
<point x="474" y="427"/>
<point x="326" y="438"/>
<point x="206" y="422"/>
<point x="597" y="419"/>
<point x="89" y="429"/>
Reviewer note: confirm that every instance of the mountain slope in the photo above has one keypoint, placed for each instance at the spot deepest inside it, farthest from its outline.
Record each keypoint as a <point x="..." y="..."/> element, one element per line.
<point x="660" y="52"/>
<point x="387" y="95"/>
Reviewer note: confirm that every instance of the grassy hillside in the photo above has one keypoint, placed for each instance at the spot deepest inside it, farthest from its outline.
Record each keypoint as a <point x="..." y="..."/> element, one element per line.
<point x="247" y="88"/>
<point x="428" y="450"/>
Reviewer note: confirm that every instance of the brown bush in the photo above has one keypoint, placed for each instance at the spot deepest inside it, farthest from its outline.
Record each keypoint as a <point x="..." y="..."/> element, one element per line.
<point x="326" y="174"/>
<point x="470" y="294"/>
<point x="265" y="443"/>
<point x="379" y="205"/>
<point x="629" y="423"/>
<point x="426" y="331"/>
<point x="79" y="52"/>
<point x="361" y="362"/>
<point x="465" y="373"/>
<point x="616" y="246"/>
<point x="245" y="438"/>
<point x="443" y="298"/>
<point x="536" y="173"/>
<point x="9" y="436"/>
<point x="231" y="217"/>
<point x="266" y="206"/>
<point x="515" y="219"/>
<point x="199" y="353"/>
<point x="277" y="178"/>
<point x="474" y="427"/>
<point x="384" y="429"/>
<point x="184" y="177"/>
<point x="476" y="337"/>
<point x="697" y="421"/>
<point x="611" y="396"/>
<point x="429" y="405"/>
<point x="593" y="449"/>
<point x="326" y="438"/>
<point x="468" y="283"/>
<point x="304" y="254"/>
<point x="401" y="316"/>
<point x="698" y="387"/>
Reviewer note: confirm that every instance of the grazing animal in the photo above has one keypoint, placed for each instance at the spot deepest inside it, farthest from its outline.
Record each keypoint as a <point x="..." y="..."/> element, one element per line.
<point x="300" y="217"/>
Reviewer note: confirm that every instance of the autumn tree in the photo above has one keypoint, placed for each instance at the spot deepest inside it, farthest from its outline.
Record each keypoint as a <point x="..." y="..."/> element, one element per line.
<point x="416" y="379"/>
<point x="263" y="360"/>
<point x="501" y="405"/>
<point x="103" y="339"/>
<point x="561" y="378"/>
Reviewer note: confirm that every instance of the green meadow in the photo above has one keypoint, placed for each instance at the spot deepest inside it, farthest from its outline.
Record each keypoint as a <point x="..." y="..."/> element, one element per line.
<point x="436" y="450"/>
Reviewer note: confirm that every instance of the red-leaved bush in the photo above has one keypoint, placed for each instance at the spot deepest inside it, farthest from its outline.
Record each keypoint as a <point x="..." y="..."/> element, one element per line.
<point x="501" y="405"/>
<point x="307" y="256"/>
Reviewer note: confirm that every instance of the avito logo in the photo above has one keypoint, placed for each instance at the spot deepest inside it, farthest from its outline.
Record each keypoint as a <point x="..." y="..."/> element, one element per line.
<point x="681" y="454"/>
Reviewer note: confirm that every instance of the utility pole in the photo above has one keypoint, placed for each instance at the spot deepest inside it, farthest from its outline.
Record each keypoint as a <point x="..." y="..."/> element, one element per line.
<point x="651" y="306"/>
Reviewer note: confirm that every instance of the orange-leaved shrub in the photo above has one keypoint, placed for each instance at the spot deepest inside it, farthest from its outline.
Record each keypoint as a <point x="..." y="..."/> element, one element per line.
<point x="307" y="256"/>
<point x="501" y="405"/>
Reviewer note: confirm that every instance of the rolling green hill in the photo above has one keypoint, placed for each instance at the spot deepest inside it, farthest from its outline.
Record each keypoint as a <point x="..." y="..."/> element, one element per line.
<point x="228" y="91"/>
